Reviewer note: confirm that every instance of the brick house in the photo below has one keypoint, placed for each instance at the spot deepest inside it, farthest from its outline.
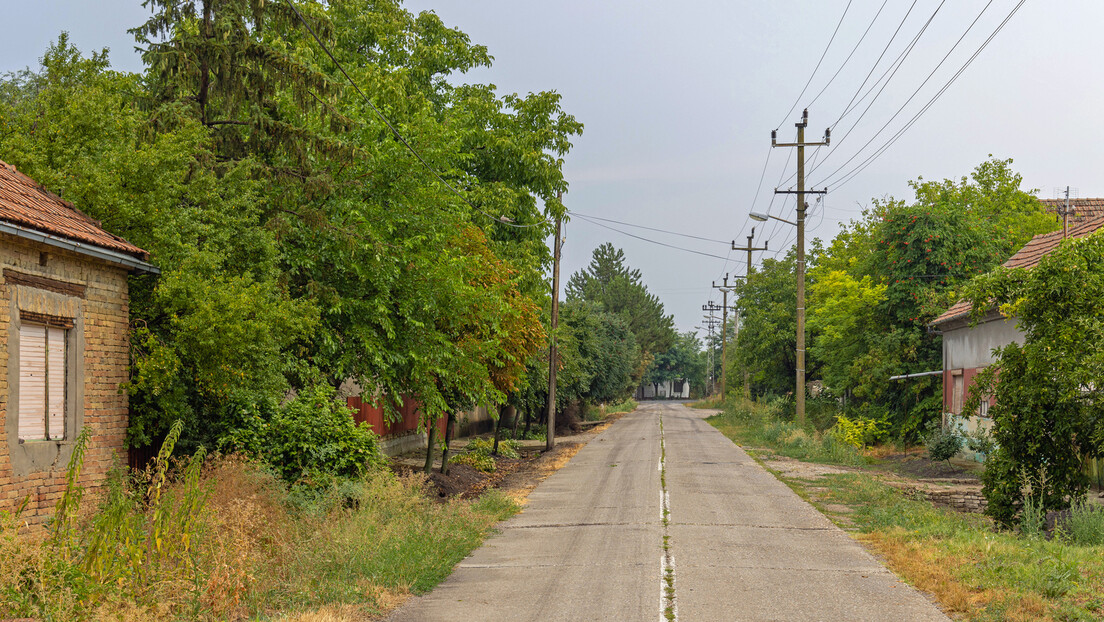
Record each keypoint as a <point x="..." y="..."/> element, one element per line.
<point x="969" y="349"/>
<point x="64" y="347"/>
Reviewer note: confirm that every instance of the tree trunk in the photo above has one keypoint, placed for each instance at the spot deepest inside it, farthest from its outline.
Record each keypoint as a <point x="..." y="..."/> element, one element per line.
<point x="528" y="421"/>
<point x="498" y="426"/>
<point x="450" y="429"/>
<point x="513" y="430"/>
<point x="431" y="438"/>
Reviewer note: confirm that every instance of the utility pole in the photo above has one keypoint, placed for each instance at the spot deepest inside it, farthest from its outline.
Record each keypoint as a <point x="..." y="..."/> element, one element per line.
<point x="550" y="432"/>
<point x="711" y="323"/>
<point x="747" y="275"/>
<point x="1065" y="216"/>
<point x="724" y="334"/>
<point x="801" y="207"/>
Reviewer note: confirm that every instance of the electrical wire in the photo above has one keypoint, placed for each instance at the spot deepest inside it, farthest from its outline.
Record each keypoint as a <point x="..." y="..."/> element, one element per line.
<point x="851" y="175"/>
<point x="398" y="135"/>
<point x="895" y="67"/>
<point x="633" y="235"/>
<point x="874" y="67"/>
<point x="823" y="54"/>
<point x="629" y="224"/>
<point x="914" y="93"/>
<point x="853" y="50"/>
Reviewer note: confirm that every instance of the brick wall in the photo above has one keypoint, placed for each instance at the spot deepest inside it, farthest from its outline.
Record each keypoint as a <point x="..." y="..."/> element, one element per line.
<point x="101" y="335"/>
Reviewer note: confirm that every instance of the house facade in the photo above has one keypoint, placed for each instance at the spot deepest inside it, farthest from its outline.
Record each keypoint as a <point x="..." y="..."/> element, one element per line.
<point x="668" y="389"/>
<point x="967" y="350"/>
<point x="64" y="346"/>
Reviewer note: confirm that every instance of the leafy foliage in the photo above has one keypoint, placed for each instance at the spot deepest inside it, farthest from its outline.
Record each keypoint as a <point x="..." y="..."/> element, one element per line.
<point x="311" y="439"/>
<point x="1046" y="414"/>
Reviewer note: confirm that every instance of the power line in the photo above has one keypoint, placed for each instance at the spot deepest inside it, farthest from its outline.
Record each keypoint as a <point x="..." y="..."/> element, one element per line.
<point x="874" y="67"/>
<point x="914" y="93"/>
<point x="849" y="176"/>
<point x="398" y="135"/>
<point x="629" y="224"/>
<point x="657" y="242"/>
<point x="846" y="60"/>
<point x="823" y="54"/>
<point x="895" y="67"/>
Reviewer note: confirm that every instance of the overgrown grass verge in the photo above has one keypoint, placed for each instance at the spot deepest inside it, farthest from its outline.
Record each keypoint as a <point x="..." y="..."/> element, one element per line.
<point x="974" y="571"/>
<point x="754" y="425"/>
<point x="234" y="543"/>
<point x="601" y="411"/>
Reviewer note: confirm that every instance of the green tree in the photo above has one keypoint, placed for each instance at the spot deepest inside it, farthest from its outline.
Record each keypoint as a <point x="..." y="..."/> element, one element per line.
<point x="685" y="360"/>
<point x="1047" y="416"/>
<point x="621" y="291"/>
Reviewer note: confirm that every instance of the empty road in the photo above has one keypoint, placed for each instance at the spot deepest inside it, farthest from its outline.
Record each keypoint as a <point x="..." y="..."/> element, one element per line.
<point x="662" y="517"/>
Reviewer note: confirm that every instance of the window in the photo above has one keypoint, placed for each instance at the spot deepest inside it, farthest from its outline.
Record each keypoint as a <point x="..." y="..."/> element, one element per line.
<point x="42" y="373"/>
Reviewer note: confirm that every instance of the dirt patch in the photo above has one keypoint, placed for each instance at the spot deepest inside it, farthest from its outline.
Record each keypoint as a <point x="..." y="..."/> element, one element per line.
<point x="790" y="467"/>
<point x="916" y="464"/>
<point x="516" y="477"/>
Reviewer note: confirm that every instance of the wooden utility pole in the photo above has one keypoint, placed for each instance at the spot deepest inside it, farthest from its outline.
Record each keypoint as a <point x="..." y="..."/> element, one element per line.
<point x="747" y="275"/>
<point x="724" y="333"/>
<point x="801" y="207"/>
<point x="550" y="433"/>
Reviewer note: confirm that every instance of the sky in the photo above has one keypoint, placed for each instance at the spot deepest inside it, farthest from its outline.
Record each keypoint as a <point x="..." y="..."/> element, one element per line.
<point x="679" y="100"/>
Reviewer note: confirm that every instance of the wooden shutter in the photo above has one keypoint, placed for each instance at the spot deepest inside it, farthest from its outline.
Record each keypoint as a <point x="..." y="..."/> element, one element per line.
<point x="55" y="380"/>
<point x="32" y="382"/>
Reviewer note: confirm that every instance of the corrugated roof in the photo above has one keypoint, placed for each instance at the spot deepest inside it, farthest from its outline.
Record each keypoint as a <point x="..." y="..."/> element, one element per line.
<point x="1081" y="208"/>
<point x="1029" y="257"/>
<point x="26" y="203"/>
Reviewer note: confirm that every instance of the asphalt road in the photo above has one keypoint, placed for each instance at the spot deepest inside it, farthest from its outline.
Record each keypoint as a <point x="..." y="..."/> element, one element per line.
<point x="662" y="513"/>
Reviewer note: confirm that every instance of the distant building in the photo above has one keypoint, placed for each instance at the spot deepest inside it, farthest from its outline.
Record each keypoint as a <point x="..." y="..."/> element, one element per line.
<point x="670" y="389"/>
<point x="64" y="343"/>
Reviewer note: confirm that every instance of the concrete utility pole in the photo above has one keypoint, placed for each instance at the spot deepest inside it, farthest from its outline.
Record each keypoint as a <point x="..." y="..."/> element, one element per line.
<point x="747" y="275"/>
<point x="724" y="333"/>
<point x="550" y="433"/>
<point x="801" y="207"/>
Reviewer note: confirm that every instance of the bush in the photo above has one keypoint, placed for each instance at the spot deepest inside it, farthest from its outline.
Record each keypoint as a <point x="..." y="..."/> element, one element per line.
<point x="858" y="432"/>
<point x="507" y="448"/>
<point x="1085" y="524"/>
<point x="943" y="444"/>
<point x="311" y="440"/>
<point x="476" y="460"/>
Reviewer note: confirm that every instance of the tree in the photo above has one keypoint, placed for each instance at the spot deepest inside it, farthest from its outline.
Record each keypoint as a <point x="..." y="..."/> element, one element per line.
<point x="1047" y="415"/>
<point x="767" y="303"/>
<point x="619" y="290"/>
<point x="684" y="360"/>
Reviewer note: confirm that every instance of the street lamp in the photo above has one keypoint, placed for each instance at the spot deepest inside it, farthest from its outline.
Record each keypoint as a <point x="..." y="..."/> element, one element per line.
<point x="761" y="217"/>
<point x="799" y="395"/>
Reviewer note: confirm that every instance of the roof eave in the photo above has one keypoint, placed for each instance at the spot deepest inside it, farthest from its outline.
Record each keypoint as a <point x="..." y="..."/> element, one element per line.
<point x="129" y="262"/>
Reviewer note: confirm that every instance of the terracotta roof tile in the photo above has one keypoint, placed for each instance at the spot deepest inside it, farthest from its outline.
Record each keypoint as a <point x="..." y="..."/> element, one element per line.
<point x="24" y="202"/>
<point x="1082" y="208"/>
<point x="1029" y="257"/>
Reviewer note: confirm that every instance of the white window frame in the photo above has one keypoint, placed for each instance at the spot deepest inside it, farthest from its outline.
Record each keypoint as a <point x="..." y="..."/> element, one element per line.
<point x="44" y="347"/>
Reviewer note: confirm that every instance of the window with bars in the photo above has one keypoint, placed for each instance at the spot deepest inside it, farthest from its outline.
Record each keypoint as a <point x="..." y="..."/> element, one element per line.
<point x="42" y="378"/>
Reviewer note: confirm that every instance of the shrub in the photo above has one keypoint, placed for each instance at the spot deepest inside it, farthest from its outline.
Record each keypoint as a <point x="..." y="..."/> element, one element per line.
<point x="311" y="439"/>
<point x="858" y="432"/>
<point x="1085" y="524"/>
<point x="507" y="448"/>
<point x="479" y="461"/>
<point x="943" y="444"/>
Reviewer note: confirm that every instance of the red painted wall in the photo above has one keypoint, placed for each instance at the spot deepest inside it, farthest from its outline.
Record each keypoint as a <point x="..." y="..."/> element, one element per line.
<point x="373" y="415"/>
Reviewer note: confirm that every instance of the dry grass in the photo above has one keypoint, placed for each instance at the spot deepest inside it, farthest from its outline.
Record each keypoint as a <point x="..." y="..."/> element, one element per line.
<point x="352" y="553"/>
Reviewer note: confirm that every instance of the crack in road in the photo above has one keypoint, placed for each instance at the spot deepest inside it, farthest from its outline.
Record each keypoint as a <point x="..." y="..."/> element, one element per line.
<point x="668" y="605"/>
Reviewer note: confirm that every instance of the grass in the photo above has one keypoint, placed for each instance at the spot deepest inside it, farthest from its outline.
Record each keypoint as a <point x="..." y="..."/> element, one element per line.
<point x="753" y="425"/>
<point x="601" y="411"/>
<point x="974" y="571"/>
<point x="248" y="549"/>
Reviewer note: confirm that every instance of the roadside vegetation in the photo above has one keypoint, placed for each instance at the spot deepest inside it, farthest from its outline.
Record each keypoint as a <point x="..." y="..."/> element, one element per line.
<point x="976" y="569"/>
<point x="226" y="539"/>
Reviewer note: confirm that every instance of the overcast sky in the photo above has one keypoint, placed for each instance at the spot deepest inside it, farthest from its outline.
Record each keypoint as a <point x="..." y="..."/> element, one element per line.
<point x="679" y="99"/>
